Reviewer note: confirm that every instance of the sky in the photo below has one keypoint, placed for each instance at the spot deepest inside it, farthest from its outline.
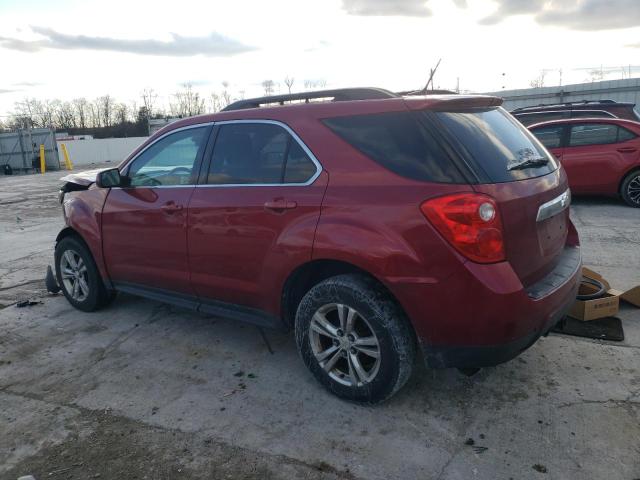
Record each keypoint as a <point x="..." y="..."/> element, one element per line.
<point x="66" y="49"/>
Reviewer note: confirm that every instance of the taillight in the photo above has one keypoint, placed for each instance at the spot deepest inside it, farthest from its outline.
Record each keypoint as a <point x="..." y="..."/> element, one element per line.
<point x="470" y="222"/>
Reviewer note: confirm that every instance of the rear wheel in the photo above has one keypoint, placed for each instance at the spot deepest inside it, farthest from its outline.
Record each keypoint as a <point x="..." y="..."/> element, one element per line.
<point x="355" y="339"/>
<point x="630" y="190"/>
<point x="78" y="276"/>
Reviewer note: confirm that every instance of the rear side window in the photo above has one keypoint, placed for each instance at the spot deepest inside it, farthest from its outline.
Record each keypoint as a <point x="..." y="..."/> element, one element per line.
<point x="624" y="135"/>
<point x="498" y="147"/>
<point x="551" y="137"/>
<point x="593" y="134"/>
<point x="258" y="153"/>
<point x="399" y="142"/>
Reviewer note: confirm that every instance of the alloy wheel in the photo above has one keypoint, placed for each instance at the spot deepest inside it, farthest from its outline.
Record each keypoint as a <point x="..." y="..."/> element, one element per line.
<point x="633" y="189"/>
<point x="75" y="276"/>
<point x="345" y="345"/>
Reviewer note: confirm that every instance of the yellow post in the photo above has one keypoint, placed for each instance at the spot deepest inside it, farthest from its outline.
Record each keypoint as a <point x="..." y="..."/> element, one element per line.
<point x="42" y="163"/>
<point x="67" y="160"/>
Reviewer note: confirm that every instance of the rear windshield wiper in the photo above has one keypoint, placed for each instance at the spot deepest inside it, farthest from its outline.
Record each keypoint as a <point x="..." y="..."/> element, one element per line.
<point x="529" y="163"/>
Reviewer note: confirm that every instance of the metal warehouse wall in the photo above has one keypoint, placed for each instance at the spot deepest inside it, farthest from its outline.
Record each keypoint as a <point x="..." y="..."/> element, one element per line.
<point x="21" y="150"/>
<point x="618" y="90"/>
<point x="86" y="152"/>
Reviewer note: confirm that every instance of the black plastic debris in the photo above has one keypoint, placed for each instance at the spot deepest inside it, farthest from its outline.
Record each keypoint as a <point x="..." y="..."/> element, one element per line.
<point x="607" y="328"/>
<point x="27" y="303"/>
<point x="50" y="281"/>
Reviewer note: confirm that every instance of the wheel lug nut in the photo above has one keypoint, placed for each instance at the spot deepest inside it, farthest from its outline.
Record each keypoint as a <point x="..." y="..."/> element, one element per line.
<point x="340" y="333"/>
<point x="351" y="338"/>
<point x="353" y="350"/>
<point x="336" y="342"/>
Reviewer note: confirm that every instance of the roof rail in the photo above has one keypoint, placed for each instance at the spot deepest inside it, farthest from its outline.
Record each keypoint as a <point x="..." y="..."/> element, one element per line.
<point x="338" y="95"/>
<point x="565" y="104"/>
<point x="427" y="92"/>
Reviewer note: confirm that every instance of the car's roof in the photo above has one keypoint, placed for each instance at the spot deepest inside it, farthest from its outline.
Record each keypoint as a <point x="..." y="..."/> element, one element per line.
<point x="564" y="121"/>
<point x="320" y="110"/>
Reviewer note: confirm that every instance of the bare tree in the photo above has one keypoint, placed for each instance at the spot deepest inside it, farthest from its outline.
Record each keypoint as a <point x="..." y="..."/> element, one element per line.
<point x="538" y="82"/>
<point x="268" y="86"/>
<point x="149" y="98"/>
<point x="81" y="106"/>
<point x="596" y="75"/>
<point x="316" y="84"/>
<point x="225" y="96"/>
<point x="106" y="107"/>
<point x="65" y="116"/>
<point x="288" y="81"/>
<point x="187" y="103"/>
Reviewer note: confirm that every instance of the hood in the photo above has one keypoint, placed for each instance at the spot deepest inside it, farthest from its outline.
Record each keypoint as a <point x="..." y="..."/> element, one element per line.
<point x="85" y="178"/>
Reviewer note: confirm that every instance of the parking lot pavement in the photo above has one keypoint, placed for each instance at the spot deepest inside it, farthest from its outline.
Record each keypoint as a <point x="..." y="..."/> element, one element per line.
<point x="142" y="388"/>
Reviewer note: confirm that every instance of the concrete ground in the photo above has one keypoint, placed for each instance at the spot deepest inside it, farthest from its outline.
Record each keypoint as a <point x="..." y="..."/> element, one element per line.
<point x="144" y="390"/>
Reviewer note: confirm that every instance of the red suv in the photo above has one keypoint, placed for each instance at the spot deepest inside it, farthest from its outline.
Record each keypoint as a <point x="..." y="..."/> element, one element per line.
<point x="601" y="155"/>
<point x="374" y="225"/>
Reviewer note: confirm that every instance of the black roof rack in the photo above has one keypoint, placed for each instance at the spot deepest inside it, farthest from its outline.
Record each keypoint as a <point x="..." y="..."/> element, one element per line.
<point x="338" y="95"/>
<point x="565" y="104"/>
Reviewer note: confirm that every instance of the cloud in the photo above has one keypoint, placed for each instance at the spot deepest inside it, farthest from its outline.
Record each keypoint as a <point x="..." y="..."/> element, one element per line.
<point x="212" y="45"/>
<point x="633" y="45"/>
<point x="8" y="90"/>
<point x="594" y="15"/>
<point x="388" y="8"/>
<point x="572" y="14"/>
<point x="506" y="8"/>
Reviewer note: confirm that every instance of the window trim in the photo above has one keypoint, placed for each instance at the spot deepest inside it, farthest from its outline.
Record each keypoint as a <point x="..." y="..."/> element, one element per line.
<point x="207" y="164"/>
<point x="124" y="171"/>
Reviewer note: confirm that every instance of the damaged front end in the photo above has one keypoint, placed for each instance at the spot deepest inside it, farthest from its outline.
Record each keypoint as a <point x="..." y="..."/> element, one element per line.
<point x="75" y="182"/>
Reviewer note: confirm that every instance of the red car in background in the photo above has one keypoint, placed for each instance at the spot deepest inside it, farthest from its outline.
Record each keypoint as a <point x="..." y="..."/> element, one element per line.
<point x="600" y="155"/>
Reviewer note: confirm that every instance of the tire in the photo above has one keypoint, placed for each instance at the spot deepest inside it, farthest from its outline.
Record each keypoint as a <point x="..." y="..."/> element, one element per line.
<point x="630" y="189"/>
<point x="91" y="293"/>
<point x="378" y="326"/>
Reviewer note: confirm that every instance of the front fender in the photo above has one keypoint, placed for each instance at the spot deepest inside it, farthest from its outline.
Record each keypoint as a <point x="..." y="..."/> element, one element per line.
<point x="83" y="215"/>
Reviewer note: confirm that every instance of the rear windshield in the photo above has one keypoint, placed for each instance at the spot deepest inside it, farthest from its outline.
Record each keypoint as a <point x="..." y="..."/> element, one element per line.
<point x="498" y="148"/>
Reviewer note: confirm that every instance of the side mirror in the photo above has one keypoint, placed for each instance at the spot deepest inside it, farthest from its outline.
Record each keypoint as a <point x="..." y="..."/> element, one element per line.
<point x="109" y="178"/>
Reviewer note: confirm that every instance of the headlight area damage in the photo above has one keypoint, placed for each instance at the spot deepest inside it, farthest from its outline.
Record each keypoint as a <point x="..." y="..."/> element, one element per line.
<point x="78" y="181"/>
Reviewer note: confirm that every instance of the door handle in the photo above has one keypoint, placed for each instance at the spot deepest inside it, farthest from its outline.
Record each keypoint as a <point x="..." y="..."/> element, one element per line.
<point x="171" y="207"/>
<point x="280" y="204"/>
<point x="627" y="149"/>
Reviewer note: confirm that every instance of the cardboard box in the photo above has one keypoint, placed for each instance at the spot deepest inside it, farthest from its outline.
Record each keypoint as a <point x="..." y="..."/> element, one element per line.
<point x="605" y="306"/>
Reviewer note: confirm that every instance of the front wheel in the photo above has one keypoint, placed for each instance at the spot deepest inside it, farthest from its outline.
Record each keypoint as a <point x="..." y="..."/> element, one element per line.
<point x="355" y="339"/>
<point x="630" y="190"/>
<point x="78" y="276"/>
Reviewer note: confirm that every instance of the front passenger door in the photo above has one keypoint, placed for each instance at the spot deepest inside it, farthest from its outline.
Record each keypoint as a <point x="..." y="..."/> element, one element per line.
<point x="144" y="223"/>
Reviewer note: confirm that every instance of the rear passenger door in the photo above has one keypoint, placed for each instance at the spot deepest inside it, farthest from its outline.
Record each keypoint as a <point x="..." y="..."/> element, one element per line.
<point x="253" y="215"/>
<point x="591" y="158"/>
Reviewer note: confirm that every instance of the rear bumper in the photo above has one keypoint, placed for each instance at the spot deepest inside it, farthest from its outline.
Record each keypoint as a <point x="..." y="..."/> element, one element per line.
<point x="484" y="316"/>
<point x="474" y="356"/>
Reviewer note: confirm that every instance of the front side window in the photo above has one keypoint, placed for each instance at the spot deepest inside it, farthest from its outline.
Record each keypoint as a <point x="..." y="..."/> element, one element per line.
<point x="169" y="161"/>
<point x="258" y="153"/>
<point x="593" y="134"/>
<point x="551" y="137"/>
